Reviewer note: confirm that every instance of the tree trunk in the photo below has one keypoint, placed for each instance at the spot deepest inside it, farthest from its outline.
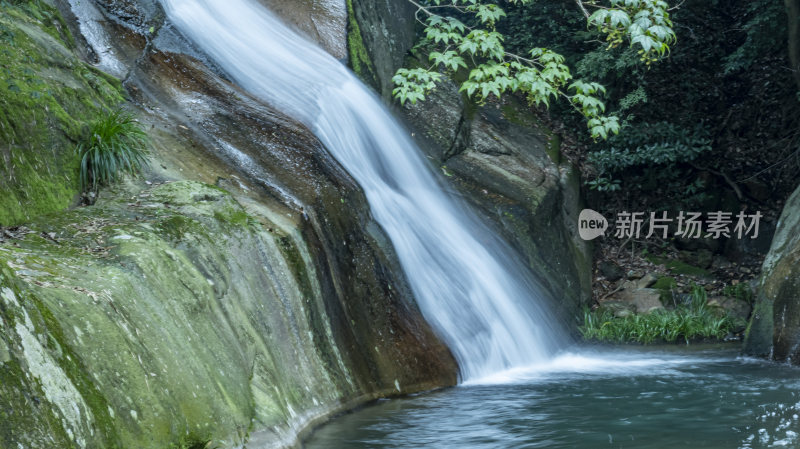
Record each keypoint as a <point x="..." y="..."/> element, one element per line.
<point x="793" y="12"/>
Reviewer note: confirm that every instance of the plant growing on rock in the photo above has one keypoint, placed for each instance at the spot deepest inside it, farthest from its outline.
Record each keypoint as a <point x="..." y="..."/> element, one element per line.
<point x="688" y="321"/>
<point x="474" y="44"/>
<point x="116" y="145"/>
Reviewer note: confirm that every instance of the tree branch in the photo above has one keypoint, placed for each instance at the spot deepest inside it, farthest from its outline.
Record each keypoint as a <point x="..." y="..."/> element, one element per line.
<point x="583" y="8"/>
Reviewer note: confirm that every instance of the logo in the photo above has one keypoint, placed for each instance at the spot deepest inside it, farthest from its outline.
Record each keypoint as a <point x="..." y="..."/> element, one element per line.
<point x="688" y="225"/>
<point x="591" y="224"/>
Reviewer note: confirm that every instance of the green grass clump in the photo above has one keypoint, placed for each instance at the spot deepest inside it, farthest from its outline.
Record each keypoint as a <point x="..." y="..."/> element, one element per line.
<point x="693" y="320"/>
<point x="739" y="291"/>
<point x="117" y="144"/>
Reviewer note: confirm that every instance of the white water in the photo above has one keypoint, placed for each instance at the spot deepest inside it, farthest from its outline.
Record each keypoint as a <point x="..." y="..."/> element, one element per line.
<point x="468" y="286"/>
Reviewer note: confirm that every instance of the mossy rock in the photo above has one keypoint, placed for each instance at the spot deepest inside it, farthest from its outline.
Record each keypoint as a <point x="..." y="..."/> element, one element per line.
<point x="665" y="286"/>
<point x="47" y="96"/>
<point x="678" y="267"/>
<point x="774" y="327"/>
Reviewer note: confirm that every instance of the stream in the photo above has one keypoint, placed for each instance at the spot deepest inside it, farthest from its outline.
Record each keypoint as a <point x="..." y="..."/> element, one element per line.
<point x="672" y="397"/>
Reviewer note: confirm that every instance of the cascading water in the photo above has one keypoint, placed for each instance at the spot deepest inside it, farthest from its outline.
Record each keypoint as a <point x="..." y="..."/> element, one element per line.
<point x="467" y="284"/>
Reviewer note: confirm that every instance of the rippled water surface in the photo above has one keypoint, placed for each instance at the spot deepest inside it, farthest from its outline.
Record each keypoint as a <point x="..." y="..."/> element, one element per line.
<point x="706" y="398"/>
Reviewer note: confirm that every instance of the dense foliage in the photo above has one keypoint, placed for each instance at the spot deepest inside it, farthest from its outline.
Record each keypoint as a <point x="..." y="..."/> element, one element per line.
<point x="466" y="37"/>
<point x="715" y="122"/>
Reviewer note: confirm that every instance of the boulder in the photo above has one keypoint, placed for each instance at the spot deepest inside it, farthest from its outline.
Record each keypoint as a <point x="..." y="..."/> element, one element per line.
<point x="619" y="309"/>
<point x="774" y="328"/>
<point x="611" y="271"/>
<point x="644" y="300"/>
<point x="734" y="307"/>
<point x="242" y="294"/>
<point x="646" y="281"/>
<point x="701" y="258"/>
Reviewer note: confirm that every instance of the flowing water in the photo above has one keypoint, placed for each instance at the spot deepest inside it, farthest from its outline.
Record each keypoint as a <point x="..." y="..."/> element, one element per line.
<point x="628" y="399"/>
<point x="467" y="283"/>
<point x="517" y="390"/>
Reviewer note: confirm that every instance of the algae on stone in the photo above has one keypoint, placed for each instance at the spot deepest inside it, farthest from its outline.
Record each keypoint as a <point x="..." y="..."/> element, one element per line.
<point x="177" y="317"/>
<point x="47" y="95"/>
<point x="774" y="328"/>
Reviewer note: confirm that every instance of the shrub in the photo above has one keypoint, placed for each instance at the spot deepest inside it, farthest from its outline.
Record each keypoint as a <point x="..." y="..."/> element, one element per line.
<point x="116" y="145"/>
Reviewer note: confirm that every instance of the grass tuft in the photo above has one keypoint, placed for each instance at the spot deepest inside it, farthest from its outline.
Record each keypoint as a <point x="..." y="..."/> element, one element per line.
<point x="116" y="145"/>
<point x="688" y="321"/>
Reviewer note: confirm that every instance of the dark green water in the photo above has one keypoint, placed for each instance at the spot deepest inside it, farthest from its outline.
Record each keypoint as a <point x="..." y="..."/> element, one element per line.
<point x="628" y="399"/>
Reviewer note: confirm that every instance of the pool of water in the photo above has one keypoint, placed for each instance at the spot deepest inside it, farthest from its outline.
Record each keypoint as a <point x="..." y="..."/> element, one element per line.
<point x="632" y="398"/>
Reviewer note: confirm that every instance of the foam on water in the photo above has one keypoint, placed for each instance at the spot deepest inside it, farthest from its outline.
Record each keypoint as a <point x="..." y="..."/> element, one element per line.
<point x="595" y="363"/>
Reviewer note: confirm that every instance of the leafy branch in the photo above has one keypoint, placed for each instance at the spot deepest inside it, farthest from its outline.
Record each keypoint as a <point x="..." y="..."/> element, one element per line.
<point x="541" y="75"/>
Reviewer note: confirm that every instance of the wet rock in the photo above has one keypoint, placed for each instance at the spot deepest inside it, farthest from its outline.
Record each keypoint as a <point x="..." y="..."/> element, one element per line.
<point x="619" y="309"/>
<point x="323" y="21"/>
<point x="646" y="281"/>
<point x="731" y="306"/>
<point x="39" y="128"/>
<point x="610" y="270"/>
<point x="498" y="156"/>
<point x="701" y="258"/>
<point x="644" y="300"/>
<point x="177" y="306"/>
<point x="379" y="35"/>
<point x="775" y="324"/>
<point x="507" y="167"/>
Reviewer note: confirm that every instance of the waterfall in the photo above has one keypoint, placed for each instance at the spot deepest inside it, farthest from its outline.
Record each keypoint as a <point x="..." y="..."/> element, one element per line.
<point x="484" y="305"/>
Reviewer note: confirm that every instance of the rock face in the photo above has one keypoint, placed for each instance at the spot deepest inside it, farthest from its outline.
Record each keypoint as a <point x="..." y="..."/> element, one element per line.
<point x="774" y="328"/>
<point x="46" y="96"/>
<point x="507" y="165"/>
<point x="175" y="313"/>
<point x="500" y="159"/>
<point x="324" y="21"/>
<point x="379" y="34"/>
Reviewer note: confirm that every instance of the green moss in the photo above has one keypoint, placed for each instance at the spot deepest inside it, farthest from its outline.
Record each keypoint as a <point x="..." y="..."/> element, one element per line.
<point x="177" y="227"/>
<point x="678" y="267"/>
<point x="297" y="265"/>
<point x="758" y="337"/>
<point x="665" y="283"/>
<point x="46" y="95"/>
<point x="360" y="61"/>
<point x="235" y="217"/>
<point x="43" y="428"/>
<point x="71" y="364"/>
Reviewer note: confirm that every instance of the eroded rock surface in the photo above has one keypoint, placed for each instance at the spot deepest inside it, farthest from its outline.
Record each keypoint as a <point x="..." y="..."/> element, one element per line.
<point x="774" y="328"/>
<point x="500" y="159"/>
<point x="241" y="293"/>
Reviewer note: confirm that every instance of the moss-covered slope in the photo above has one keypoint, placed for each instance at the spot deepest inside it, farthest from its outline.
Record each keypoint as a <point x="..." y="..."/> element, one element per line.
<point x="170" y="318"/>
<point x="47" y="96"/>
